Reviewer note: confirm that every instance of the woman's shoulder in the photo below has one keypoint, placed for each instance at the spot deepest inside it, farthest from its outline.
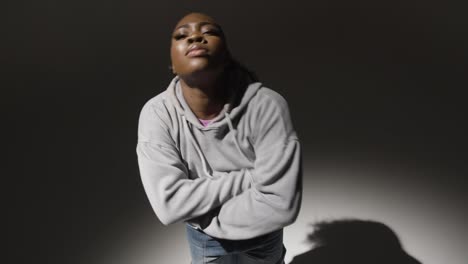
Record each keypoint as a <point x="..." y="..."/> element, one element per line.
<point x="156" y="103"/>
<point x="267" y="97"/>
<point x="154" y="123"/>
<point x="156" y="111"/>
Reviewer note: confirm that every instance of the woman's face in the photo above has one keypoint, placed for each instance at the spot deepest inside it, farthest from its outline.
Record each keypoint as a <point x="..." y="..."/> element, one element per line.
<point x="197" y="45"/>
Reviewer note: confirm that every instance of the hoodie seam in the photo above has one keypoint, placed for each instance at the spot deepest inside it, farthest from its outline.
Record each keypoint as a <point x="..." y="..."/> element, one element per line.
<point x="159" y="144"/>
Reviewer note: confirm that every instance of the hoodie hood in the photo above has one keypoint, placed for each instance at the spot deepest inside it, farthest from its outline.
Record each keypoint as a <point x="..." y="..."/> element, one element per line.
<point x="238" y="100"/>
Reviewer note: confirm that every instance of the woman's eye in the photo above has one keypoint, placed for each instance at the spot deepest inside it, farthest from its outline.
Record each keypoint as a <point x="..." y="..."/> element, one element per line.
<point x="179" y="36"/>
<point x="211" y="32"/>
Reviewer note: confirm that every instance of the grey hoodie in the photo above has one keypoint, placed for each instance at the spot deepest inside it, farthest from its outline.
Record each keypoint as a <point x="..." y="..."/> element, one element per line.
<point x="237" y="178"/>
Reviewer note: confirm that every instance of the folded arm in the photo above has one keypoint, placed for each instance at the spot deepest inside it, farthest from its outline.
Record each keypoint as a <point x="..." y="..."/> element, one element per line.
<point x="173" y="196"/>
<point x="275" y="197"/>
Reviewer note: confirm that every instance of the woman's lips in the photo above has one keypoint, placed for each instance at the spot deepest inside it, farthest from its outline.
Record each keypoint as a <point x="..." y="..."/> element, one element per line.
<point x="197" y="52"/>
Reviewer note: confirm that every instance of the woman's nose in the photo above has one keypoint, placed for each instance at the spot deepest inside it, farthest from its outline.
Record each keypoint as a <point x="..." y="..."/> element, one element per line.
<point x="195" y="38"/>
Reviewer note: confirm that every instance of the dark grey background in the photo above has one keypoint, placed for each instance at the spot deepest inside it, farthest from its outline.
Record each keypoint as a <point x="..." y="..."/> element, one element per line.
<point x="375" y="88"/>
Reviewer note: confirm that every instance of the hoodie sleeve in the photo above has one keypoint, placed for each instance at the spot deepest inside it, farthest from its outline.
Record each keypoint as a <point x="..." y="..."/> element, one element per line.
<point x="173" y="196"/>
<point x="275" y="197"/>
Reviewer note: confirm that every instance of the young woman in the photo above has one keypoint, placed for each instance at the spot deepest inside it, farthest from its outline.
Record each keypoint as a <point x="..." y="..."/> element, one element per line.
<point x="218" y="151"/>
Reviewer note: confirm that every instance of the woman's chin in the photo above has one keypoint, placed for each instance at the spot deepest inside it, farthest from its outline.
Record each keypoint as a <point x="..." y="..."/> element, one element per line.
<point x="199" y="64"/>
<point x="204" y="70"/>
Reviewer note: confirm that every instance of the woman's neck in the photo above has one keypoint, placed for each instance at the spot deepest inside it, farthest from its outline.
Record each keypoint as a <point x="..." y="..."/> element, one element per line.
<point x="205" y="99"/>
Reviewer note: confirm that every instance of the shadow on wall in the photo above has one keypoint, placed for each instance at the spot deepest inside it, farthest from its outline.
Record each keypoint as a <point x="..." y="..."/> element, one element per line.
<point x="354" y="241"/>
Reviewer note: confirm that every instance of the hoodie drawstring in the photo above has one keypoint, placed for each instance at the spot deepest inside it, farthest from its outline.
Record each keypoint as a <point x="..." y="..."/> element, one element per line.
<point x="197" y="147"/>
<point x="200" y="153"/>
<point x="234" y="138"/>
<point x="231" y="128"/>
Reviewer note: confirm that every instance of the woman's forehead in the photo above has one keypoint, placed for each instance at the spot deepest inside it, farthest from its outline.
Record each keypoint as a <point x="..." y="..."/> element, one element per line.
<point x="195" y="18"/>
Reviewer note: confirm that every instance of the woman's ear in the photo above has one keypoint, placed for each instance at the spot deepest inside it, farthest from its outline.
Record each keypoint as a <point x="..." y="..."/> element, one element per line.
<point x="171" y="68"/>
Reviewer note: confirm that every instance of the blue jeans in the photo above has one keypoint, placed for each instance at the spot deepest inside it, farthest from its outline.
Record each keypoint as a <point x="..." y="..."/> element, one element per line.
<point x="265" y="249"/>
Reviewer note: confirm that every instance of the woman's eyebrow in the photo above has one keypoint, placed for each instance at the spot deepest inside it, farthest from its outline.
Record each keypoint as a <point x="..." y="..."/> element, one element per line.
<point x="200" y="24"/>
